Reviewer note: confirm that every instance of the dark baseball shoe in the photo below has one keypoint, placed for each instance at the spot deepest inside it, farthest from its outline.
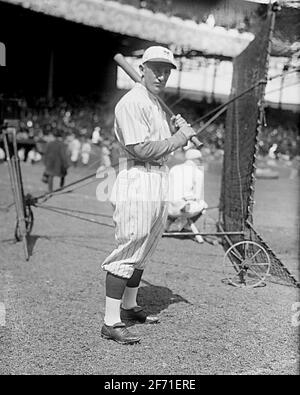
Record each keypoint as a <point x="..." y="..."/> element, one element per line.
<point x="138" y="314"/>
<point x="119" y="333"/>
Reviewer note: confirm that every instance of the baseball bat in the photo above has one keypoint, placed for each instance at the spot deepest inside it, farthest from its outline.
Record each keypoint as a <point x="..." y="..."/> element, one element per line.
<point x="129" y="70"/>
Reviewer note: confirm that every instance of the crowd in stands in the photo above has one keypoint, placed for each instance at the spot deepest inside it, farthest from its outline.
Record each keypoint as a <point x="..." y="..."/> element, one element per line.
<point x="280" y="142"/>
<point x="279" y="139"/>
<point x="274" y="142"/>
<point x="88" y="123"/>
<point x="84" y="124"/>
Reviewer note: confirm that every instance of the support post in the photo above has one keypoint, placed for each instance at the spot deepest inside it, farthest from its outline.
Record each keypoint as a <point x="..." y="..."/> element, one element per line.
<point x="50" y="77"/>
<point x="10" y="146"/>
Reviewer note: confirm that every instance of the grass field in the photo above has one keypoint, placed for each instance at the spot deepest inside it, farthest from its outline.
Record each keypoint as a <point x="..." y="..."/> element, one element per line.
<point x="52" y="307"/>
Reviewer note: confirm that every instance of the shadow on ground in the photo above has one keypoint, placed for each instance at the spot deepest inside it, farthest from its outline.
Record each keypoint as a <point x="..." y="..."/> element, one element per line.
<point x="156" y="298"/>
<point x="31" y="241"/>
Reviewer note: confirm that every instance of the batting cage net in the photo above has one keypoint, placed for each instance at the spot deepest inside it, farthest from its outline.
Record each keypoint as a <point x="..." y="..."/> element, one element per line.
<point x="244" y="119"/>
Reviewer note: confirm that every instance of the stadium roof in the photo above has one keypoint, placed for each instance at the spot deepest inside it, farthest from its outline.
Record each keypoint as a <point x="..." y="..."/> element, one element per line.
<point x="286" y="3"/>
<point x="144" y="24"/>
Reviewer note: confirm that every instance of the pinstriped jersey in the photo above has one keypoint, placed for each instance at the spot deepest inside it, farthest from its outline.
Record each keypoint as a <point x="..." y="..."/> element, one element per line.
<point x="140" y="118"/>
<point x="138" y="196"/>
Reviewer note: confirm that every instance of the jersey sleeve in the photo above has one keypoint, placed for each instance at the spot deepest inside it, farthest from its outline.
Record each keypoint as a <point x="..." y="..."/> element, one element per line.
<point x="155" y="150"/>
<point x="131" y="123"/>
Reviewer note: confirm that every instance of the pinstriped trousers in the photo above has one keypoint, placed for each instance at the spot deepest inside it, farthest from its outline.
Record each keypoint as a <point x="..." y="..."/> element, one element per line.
<point x="139" y="198"/>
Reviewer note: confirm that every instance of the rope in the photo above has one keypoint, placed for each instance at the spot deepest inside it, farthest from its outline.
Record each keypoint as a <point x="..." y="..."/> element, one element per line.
<point x="7" y="208"/>
<point x="50" y="194"/>
<point x="296" y="69"/>
<point x="283" y="87"/>
<point x="77" y="211"/>
<point x="56" y="191"/>
<point x="233" y="99"/>
<point x="74" y="216"/>
<point x="238" y="96"/>
<point x="76" y="188"/>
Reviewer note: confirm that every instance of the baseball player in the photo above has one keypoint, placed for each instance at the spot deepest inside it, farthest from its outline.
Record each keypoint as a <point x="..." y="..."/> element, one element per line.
<point x="139" y="195"/>
<point x="186" y="193"/>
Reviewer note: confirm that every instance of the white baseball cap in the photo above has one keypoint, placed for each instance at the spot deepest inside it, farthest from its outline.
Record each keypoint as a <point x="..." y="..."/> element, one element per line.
<point x="159" y="54"/>
<point x="193" y="154"/>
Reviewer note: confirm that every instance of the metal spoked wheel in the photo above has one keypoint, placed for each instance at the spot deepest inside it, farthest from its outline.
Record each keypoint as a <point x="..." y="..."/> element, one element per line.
<point x="246" y="264"/>
<point x="29" y="219"/>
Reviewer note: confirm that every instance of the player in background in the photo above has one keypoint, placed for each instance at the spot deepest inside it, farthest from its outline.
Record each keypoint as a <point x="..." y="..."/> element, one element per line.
<point x="186" y="194"/>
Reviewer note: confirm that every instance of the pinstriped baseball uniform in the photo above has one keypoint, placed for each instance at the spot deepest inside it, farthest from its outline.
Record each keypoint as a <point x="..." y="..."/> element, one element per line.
<point x="139" y="195"/>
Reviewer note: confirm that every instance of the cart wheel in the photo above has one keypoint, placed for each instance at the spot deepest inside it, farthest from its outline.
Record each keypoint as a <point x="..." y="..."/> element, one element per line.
<point x="29" y="219"/>
<point x="246" y="264"/>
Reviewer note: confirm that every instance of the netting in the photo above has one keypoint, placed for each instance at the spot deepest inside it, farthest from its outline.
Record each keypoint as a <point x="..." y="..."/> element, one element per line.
<point x="278" y="272"/>
<point x="243" y="122"/>
<point x="241" y="131"/>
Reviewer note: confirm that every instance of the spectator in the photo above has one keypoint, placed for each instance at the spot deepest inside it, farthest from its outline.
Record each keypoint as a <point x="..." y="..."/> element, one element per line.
<point x="33" y="156"/>
<point x="56" y="161"/>
<point x="85" y="151"/>
<point x="96" y="136"/>
<point x="74" y="148"/>
<point x="106" y="154"/>
<point x="21" y="154"/>
<point x="273" y="151"/>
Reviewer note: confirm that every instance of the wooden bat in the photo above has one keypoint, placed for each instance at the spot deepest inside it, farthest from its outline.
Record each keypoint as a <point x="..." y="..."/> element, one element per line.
<point x="129" y="70"/>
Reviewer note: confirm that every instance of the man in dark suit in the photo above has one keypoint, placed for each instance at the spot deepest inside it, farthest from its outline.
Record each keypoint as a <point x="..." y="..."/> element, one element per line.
<point x="56" y="161"/>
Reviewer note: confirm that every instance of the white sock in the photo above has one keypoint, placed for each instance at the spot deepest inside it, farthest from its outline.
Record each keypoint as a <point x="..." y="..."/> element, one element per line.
<point x="112" y="311"/>
<point x="129" y="298"/>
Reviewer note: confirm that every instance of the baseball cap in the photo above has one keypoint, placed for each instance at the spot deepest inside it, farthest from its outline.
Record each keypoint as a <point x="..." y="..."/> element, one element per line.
<point x="192" y="154"/>
<point x="159" y="54"/>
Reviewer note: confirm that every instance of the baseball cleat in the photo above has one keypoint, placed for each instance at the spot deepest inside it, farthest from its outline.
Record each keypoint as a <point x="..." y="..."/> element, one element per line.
<point x="138" y="314"/>
<point x="119" y="333"/>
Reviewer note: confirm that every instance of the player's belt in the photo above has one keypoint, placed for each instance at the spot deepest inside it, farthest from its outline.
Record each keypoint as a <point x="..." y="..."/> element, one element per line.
<point x="147" y="165"/>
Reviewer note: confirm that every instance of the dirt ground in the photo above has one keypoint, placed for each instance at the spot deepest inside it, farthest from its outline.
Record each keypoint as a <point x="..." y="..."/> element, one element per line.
<point x="52" y="307"/>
